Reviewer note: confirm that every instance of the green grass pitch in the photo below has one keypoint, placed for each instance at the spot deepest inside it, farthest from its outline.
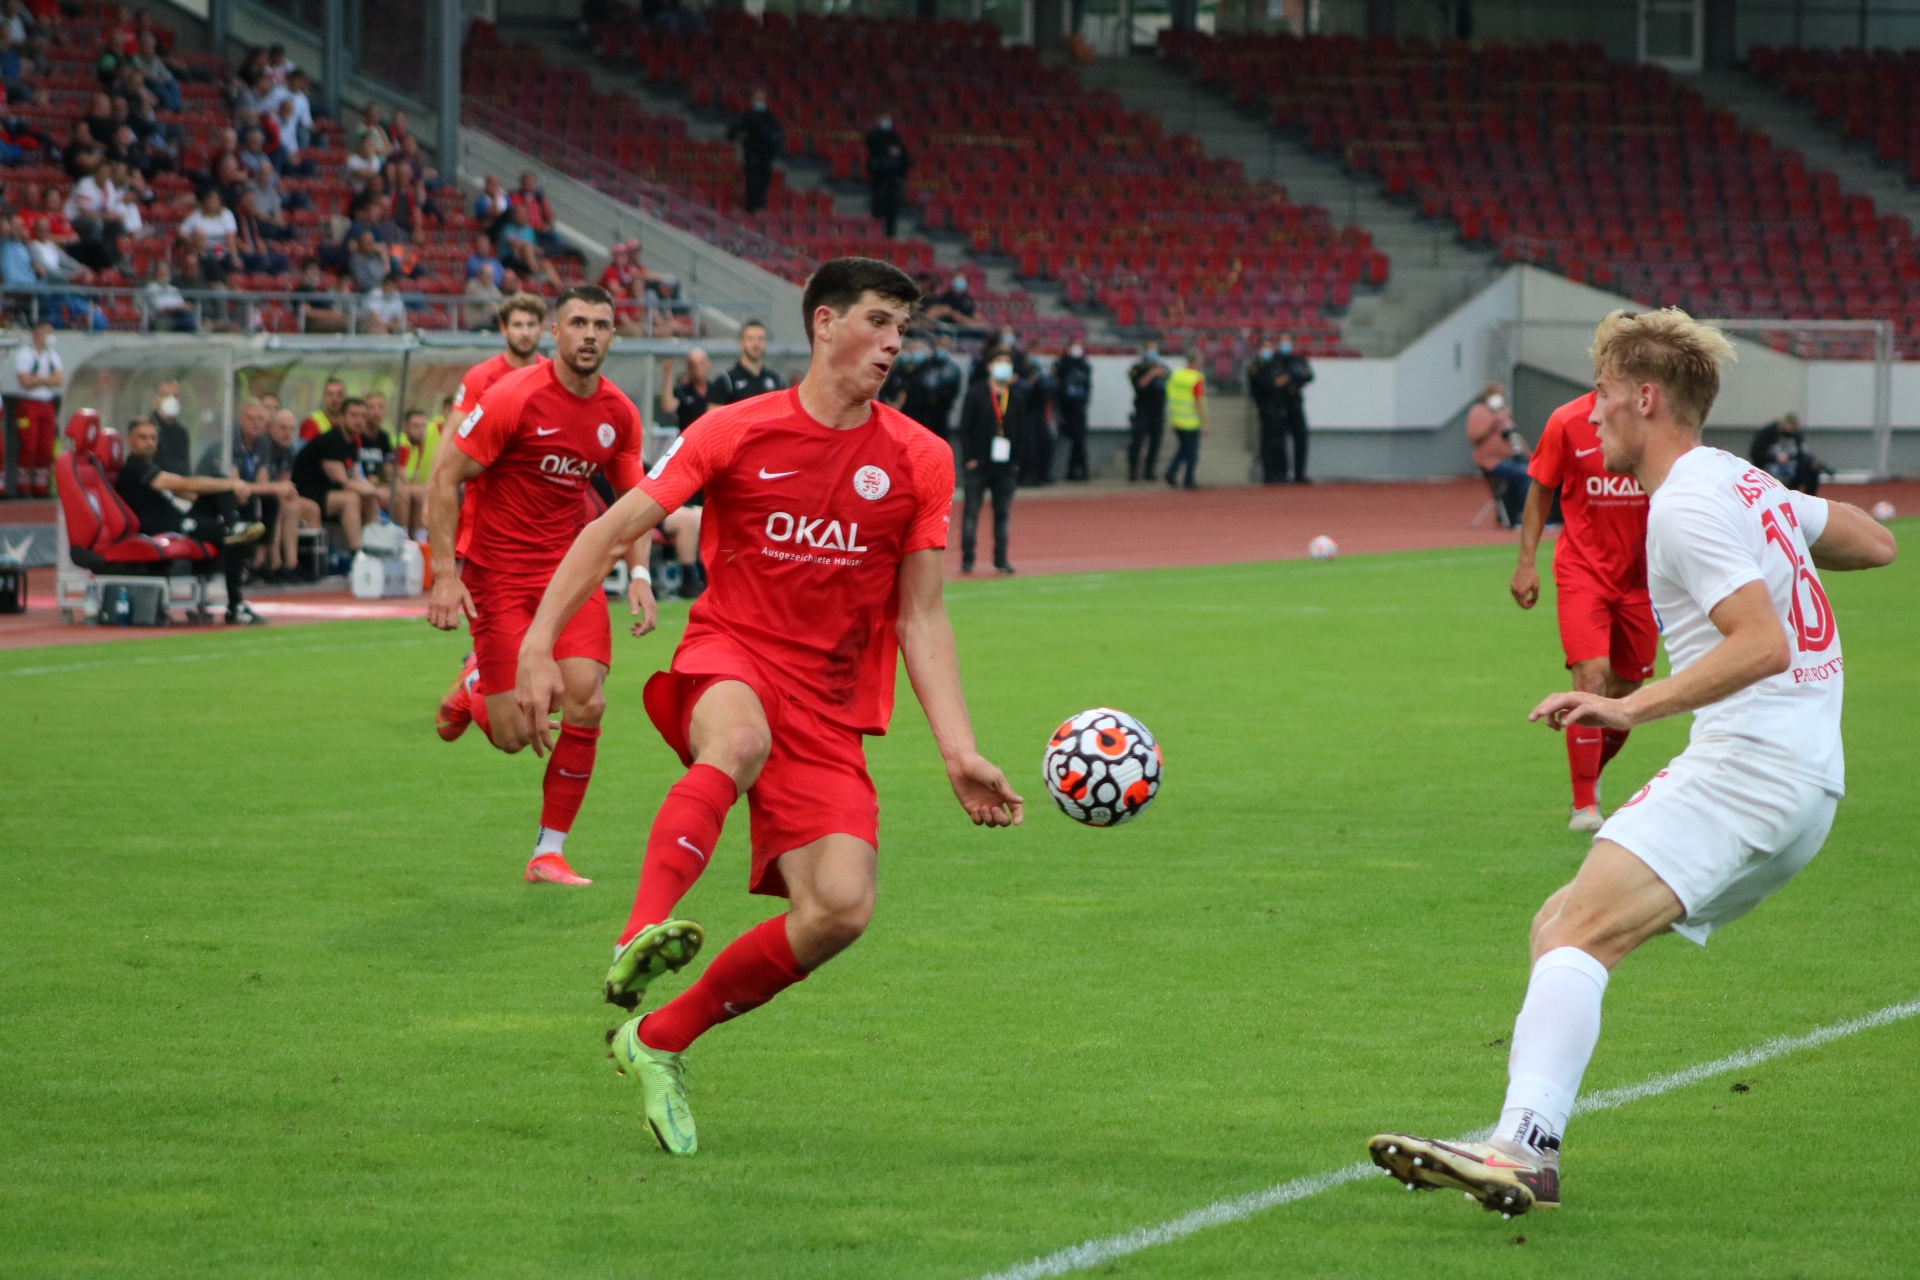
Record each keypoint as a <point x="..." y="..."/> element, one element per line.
<point x="276" y="1003"/>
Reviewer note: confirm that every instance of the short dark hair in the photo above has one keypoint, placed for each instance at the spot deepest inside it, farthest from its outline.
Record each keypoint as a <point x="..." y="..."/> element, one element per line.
<point x="591" y="294"/>
<point x="351" y="401"/>
<point x="755" y="324"/>
<point x="839" y="284"/>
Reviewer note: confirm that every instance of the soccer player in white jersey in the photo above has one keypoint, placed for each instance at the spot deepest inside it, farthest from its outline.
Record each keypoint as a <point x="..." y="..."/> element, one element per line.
<point x="1732" y="560"/>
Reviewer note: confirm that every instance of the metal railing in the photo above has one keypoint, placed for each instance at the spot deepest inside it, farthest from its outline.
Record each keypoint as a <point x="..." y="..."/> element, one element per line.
<point x="270" y="311"/>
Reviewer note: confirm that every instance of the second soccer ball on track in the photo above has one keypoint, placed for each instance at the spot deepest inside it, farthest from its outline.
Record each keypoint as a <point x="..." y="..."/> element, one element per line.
<point x="1102" y="767"/>
<point x="1322" y="548"/>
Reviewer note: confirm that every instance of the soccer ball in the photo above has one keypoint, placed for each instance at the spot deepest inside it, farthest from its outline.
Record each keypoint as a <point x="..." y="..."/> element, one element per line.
<point x="1322" y="548"/>
<point x="1883" y="511"/>
<point x="1102" y="767"/>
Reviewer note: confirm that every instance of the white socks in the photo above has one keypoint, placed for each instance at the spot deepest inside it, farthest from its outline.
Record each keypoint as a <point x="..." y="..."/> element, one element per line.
<point x="1553" y="1041"/>
<point x="549" y="841"/>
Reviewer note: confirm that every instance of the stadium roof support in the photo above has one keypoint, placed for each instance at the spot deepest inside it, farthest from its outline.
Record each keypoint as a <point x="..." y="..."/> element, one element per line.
<point x="448" y="16"/>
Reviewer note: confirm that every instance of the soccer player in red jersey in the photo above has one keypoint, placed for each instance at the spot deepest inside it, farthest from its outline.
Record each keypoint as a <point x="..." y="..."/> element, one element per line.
<point x="826" y="515"/>
<point x="526" y="452"/>
<point x="1607" y="627"/>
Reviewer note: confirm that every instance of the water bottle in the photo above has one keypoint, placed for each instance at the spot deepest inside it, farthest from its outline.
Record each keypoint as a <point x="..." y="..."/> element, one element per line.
<point x="122" y="609"/>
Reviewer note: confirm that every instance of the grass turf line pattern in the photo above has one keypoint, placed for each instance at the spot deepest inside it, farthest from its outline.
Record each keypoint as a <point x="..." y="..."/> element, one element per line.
<point x="1095" y="1253"/>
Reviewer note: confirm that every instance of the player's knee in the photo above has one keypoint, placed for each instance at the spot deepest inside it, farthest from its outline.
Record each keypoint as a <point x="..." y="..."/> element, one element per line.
<point x="836" y="923"/>
<point x="585" y="712"/>
<point x="744" y="747"/>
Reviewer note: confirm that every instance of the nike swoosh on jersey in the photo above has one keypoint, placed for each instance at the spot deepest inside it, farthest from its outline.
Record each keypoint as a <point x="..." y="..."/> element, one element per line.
<point x="776" y="475"/>
<point x="545" y="431"/>
<point x="1581" y="453"/>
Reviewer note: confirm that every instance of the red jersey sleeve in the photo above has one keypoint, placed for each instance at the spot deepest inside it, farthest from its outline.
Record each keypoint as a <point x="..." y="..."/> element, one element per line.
<point x="932" y="460"/>
<point x="623" y="469"/>
<point x="467" y="395"/>
<point x="1549" y="463"/>
<point x="486" y="431"/>
<point x="691" y="460"/>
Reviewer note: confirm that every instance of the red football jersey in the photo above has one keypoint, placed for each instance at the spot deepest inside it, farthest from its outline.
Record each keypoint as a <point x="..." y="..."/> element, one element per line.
<point x="1605" y="538"/>
<point x="473" y="384"/>
<point x="540" y="443"/>
<point x="803" y="533"/>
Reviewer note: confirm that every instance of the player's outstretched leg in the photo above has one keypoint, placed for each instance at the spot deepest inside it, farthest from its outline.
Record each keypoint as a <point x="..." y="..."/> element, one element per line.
<point x="456" y="708"/>
<point x="1613" y="905"/>
<point x="728" y="738"/>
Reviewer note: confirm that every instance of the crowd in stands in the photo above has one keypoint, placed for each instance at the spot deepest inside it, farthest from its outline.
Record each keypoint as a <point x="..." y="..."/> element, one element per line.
<point x="1607" y="172"/>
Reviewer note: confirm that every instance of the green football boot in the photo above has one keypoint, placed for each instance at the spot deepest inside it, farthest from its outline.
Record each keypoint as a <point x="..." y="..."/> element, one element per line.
<point x="666" y="947"/>
<point x="663" y="1085"/>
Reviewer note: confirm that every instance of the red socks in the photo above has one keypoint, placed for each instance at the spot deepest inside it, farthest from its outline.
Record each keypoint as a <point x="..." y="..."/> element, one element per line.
<point x="569" y="769"/>
<point x="756" y="966"/>
<point x="1584" y="743"/>
<point x="478" y="705"/>
<point x="678" y="848"/>
<point x="1611" y="740"/>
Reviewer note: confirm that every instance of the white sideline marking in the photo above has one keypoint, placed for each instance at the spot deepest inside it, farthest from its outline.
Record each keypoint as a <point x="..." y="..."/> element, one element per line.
<point x="1222" y="1212"/>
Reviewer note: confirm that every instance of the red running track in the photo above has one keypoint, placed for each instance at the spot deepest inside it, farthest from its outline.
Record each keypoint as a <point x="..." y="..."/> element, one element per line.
<point x="1064" y="529"/>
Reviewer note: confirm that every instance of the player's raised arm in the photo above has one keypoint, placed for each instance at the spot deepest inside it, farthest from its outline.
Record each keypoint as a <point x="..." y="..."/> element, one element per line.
<point x="449" y="599"/>
<point x="1852" y="540"/>
<point x="539" y="688"/>
<point x="926" y="643"/>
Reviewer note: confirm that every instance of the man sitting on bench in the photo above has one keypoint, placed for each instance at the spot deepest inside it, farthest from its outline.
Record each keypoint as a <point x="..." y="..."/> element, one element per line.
<point x="214" y="518"/>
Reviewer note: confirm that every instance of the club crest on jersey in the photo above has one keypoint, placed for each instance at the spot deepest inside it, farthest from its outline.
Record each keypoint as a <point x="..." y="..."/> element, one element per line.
<point x="605" y="433"/>
<point x="872" y="483"/>
<point x="820" y="532"/>
<point x="473" y="420"/>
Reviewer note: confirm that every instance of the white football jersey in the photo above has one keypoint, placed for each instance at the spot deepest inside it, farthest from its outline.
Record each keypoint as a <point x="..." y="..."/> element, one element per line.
<point x="1716" y="524"/>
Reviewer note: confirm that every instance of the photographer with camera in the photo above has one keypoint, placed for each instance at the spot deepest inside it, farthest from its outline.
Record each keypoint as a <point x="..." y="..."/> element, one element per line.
<point x="1499" y="451"/>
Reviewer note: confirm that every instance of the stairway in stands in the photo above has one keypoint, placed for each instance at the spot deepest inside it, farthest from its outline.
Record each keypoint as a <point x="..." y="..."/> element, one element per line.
<point x="1431" y="272"/>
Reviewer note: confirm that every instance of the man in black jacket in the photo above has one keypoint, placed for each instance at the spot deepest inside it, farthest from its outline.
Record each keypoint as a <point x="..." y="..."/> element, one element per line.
<point x="1149" y="376"/>
<point x="887" y="165"/>
<point x="1072" y="392"/>
<point x="992" y="418"/>
<point x="1780" y="450"/>
<point x="214" y="518"/>
<point x="1289" y="375"/>
<point x="749" y="376"/>
<point x="761" y="141"/>
<point x="932" y="387"/>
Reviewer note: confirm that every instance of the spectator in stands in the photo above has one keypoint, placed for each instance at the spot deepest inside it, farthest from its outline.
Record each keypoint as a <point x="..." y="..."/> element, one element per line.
<point x="286" y="157"/>
<point x="490" y="206"/>
<point x="17" y="270"/>
<point x="272" y="500"/>
<point x="250" y="244"/>
<point x="407" y="196"/>
<point x="297" y="86"/>
<point x="518" y="246"/>
<point x="887" y="166"/>
<point x="1499" y="451"/>
<point x="413" y="463"/>
<point x="670" y="314"/>
<point x="253" y="152"/>
<point x="206" y="232"/>
<point x="1187" y="415"/>
<point x="532" y="201"/>
<point x="365" y="164"/>
<point x="633" y="314"/>
<point x="386" y="310"/>
<point x="317" y="309"/>
<point x="332" y="410"/>
<point x="279" y="66"/>
<point x="934" y="387"/>
<point x="483" y="296"/>
<point x="53" y="264"/>
<point x="269" y="205"/>
<point x="167" y="308"/>
<point x="624" y="276"/>
<point x="368" y="264"/>
<point x="1072" y="395"/>
<point x="368" y="126"/>
<point x="81" y="153"/>
<point x="749" y="376"/>
<point x="397" y="131"/>
<point x="761" y="141"/>
<point x="684" y="401"/>
<point x="1780" y="450"/>
<point x="327" y="473"/>
<point x="1289" y="391"/>
<point x="993" y="417"/>
<point x="955" y="306"/>
<point x="1148" y="376"/>
<point x="214" y="517"/>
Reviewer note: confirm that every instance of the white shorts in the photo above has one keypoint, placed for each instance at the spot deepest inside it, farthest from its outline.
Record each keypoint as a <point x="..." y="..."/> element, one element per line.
<point x="1723" y="829"/>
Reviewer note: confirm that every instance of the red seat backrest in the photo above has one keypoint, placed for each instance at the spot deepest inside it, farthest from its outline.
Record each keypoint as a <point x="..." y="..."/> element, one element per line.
<point x="83" y="428"/>
<point x="97" y="516"/>
<point x="110" y="447"/>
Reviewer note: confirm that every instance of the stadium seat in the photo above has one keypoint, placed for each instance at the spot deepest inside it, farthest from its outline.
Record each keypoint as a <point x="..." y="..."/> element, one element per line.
<point x="103" y="538"/>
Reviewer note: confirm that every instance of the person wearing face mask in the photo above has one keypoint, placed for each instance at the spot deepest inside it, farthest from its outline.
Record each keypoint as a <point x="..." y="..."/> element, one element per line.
<point x="1262" y="375"/>
<point x="1149" y="376"/>
<point x="175" y="452"/>
<point x="955" y="306"/>
<point x="934" y="386"/>
<point x="994" y="416"/>
<point x="1289" y="380"/>
<point x="761" y="141"/>
<point x="887" y="165"/>
<point x="1072" y="393"/>
<point x="1499" y="452"/>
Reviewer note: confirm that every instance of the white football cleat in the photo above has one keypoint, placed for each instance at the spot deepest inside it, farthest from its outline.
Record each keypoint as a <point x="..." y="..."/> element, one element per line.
<point x="1587" y="819"/>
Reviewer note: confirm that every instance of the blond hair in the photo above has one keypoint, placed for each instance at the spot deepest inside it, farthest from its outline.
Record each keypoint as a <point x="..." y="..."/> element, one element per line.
<point x="1670" y="349"/>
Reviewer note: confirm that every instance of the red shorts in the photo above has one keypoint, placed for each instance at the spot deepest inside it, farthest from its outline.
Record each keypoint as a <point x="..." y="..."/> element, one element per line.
<point x="1598" y="622"/>
<point x="815" y="780"/>
<point x="504" y="605"/>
